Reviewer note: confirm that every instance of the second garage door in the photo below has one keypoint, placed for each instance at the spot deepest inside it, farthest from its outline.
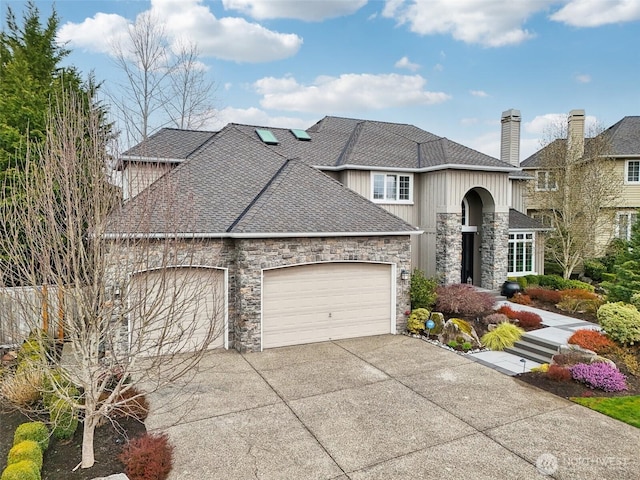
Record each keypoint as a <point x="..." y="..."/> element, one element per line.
<point x="325" y="301"/>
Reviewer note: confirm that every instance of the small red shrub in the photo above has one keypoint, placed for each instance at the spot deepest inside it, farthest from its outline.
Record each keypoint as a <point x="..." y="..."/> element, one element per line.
<point x="558" y="373"/>
<point x="591" y="340"/>
<point x="148" y="457"/>
<point x="133" y="404"/>
<point x="544" y="294"/>
<point x="463" y="299"/>
<point x="508" y="311"/>
<point x="521" y="299"/>
<point x="528" y="320"/>
<point x="579" y="294"/>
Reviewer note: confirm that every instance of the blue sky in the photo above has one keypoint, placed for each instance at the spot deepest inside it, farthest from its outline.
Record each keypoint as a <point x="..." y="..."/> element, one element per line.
<point x="447" y="66"/>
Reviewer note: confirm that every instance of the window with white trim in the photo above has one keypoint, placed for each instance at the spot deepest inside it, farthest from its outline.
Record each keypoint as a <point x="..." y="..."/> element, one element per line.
<point x="632" y="171"/>
<point x="624" y="222"/>
<point x="391" y="187"/>
<point x="546" y="181"/>
<point x="521" y="253"/>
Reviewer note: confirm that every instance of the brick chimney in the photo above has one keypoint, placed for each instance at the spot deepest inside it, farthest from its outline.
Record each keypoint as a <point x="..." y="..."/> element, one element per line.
<point x="510" y="140"/>
<point x="575" y="134"/>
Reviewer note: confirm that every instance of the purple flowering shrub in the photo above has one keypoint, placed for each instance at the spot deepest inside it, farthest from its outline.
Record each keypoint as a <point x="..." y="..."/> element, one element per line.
<point x="599" y="375"/>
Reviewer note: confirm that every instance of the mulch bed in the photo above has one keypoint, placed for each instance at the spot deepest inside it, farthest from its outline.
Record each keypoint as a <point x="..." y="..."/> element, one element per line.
<point x="62" y="457"/>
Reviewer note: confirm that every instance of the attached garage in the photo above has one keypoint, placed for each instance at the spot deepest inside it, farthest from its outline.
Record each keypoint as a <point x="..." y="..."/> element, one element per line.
<point x="178" y="309"/>
<point x="327" y="301"/>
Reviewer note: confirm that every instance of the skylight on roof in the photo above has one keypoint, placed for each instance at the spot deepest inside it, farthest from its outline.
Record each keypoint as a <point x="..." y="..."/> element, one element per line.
<point x="267" y="136"/>
<point x="300" y="134"/>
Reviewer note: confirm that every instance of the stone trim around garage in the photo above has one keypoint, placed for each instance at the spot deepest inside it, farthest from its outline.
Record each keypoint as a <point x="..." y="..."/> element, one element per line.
<point x="246" y="259"/>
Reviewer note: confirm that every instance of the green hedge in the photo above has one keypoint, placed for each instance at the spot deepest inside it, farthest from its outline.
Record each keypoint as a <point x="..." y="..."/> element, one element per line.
<point x="35" y="431"/>
<point x="25" y="450"/>
<point x="24" y="470"/>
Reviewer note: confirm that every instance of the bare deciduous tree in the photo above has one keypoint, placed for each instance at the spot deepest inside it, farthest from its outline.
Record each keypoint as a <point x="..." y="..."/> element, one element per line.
<point x="162" y="86"/>
<point x="135" y="311"/>
<point x="189" y="102"/>
<point x="576" y="191"/>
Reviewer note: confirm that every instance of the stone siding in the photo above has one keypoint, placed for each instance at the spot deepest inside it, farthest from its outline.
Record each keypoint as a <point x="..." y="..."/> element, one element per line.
<point x="246" y="259"/>
<point x="494" y="249"/>
<point x="449" y="247"/>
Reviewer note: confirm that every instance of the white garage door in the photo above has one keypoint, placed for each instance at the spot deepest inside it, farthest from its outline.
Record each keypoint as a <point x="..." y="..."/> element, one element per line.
<point x="325" y="301"/>
<point x="177" y="310"/>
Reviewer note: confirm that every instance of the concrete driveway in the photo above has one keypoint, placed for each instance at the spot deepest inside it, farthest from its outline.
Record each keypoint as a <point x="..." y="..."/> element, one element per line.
<point x="385" y="407"/>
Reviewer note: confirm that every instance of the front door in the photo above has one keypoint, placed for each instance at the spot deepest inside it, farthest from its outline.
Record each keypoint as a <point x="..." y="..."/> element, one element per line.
<point x="467" y="257"/>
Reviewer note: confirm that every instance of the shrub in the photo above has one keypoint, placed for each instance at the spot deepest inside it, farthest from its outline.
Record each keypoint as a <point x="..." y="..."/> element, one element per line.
<point x="463" y="325"/>
<point x="578" y="293"/>
<point x="635" y="300"/>
<point x="25" y="450"/>
<point x="594" y="269"/>
<point x="591" y="340"/>
<point x="36" y="431"/>
<point x="531" y="280"/>
<point x="56" y="385"/>
<point x="508" y="311"/>
<point x="575" y="305"/>
<point x="521" y="299"/>
<point x="417" y="319"/>
<point x="466" y="346"/>
<point x="23" y="387"/>
<point x="544" y="294"/>
<point x="422" y="291"/>
<point x="555" y="282"/>
<point x="558" y="373"/>
<point x="577" y="285"/>
<point x="64" y="419"/>
<point x="522" y="281"/>
<point x="599" y="375"/>
<point x="528" y="320"/>
<point x="463" y="299"/>
<point x="148" y="457"/>
<point x="501" y="337"/>
<point x="23" y="470"/>
<point x="133" y="404"/>
<point x="608" y="277"/>
<point x="495" y="318"/>
<point x="620" y="321"/>
<point x="544" y="368"/>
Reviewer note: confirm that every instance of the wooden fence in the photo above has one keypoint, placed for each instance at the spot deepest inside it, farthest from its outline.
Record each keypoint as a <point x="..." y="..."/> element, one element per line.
<point x="23" y="309"/>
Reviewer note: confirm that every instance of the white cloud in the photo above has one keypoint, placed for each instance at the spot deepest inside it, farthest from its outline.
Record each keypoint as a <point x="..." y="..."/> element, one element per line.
<point x="228" y="38"/>
<point x="438" y="67"/>
<point x="555" y="125"/>
<point x="492" y="23"/>
<point x="593" y="13"/>
<point x="479" y="93"/>
<point x="405" y="63"/>
<point x="348" y="92"/>
<point x="311" y="11"/>
<point x="583" y="78"/>
<point x="254" y="116"/>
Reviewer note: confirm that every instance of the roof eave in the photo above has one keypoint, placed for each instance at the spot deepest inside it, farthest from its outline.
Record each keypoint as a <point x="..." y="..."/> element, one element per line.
<point x="447" y="166"/>
<point x="113" y="236"/>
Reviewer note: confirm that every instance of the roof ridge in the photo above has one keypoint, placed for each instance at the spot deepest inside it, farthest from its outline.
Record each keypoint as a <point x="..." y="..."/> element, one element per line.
<point x="257" y="197"/>
<point x="348" y="148"/>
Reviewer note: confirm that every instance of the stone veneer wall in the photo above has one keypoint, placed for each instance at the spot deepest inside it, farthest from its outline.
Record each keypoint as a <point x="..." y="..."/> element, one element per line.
<point x="449" y="247"/>
<point x="254" y="255"/>
<point x="494" y="249"/>
<point x="246" y="258"/>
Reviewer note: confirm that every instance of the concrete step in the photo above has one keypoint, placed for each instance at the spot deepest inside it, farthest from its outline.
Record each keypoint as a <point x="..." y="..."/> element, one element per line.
<point x="540" y="341"/>
<point x="524" y="344"/>
<point x="527" y="354"/>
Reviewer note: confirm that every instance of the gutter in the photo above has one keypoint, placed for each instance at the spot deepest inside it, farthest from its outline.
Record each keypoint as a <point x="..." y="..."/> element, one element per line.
<point x="109" y="236"/>
<point x="448" y="166"/>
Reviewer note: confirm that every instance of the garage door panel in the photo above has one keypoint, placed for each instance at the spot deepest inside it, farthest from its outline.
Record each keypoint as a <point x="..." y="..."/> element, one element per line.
<point x="320" y="302"/>
<point x="178" y="309"/>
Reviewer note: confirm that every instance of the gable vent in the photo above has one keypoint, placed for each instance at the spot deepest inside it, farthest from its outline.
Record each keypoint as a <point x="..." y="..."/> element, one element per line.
<point x="267" y="136"/>
<point x="300" y="134"/>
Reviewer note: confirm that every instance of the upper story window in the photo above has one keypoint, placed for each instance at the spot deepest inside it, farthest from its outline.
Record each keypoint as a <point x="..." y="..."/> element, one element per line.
<point x="391" y="187"/>
<point x="632" y="171"/>
<point x="546" y="180"/>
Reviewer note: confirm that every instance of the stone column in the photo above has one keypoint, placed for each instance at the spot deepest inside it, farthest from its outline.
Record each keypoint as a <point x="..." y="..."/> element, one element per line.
<point x="494" y="249"/>
<point x="449" y="247"/>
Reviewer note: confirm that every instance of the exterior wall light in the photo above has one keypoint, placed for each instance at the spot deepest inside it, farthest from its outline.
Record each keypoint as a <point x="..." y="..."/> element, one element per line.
<point x="404" y="275"/>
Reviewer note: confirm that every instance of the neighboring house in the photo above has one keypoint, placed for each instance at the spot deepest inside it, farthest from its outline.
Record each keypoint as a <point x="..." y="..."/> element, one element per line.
<point x="335" y="215"/>
<point x="620" y="142"/>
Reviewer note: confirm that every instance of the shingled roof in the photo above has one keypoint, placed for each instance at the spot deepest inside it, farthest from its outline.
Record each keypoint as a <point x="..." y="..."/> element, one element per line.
<point x="168" y="143"/>
<point x="520" y="221"/>
<point x="234" y="187"/>
<point x="339" y="143"/>
<point x="622" y="139"/>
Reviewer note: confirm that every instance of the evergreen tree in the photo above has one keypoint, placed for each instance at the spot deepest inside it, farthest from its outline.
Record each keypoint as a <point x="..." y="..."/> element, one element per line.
<point x="627" y="270"/>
